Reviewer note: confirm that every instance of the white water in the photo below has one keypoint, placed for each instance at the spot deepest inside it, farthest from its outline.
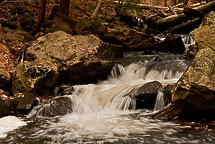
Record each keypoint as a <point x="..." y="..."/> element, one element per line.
<point x="9" y="123"/>
<point x="160" y="101"/>
<point x="103" y="110"/>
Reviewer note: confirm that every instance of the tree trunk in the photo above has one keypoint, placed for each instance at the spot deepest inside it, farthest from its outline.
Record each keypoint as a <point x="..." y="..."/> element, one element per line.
<point x="41" y="20"/>
<point x="96" y="12"/>
<point x="165" y="2"/>
<point x="186" y="27"/>
<point x="64" y="6"/>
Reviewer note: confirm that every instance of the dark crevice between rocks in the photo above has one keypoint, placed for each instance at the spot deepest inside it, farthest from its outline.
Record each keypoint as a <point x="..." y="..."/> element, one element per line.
<point x="85" y="74"/>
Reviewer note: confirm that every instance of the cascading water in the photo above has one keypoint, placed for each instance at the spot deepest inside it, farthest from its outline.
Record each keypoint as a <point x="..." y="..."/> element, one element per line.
<point x="160" y="101"/>
<point x="103" y="110"/>
<point x="188" y="40"/>
<point x="106" y="112"/>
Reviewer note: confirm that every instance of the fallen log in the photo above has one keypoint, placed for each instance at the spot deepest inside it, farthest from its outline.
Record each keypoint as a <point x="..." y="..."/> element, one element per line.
<point x="41" y="20"/>
<point x="167" y="22"/>
<point x="193" y="12"/>
<point x="186" y="27"/>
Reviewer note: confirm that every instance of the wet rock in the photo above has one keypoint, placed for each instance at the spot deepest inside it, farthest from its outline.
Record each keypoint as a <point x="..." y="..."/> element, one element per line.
<point x="63" y="90"/>
<point x="55" y="107"/>
<point x="172" y="45"/>
<point x="30" y="80"/>
<point x="167" y="92"/>
<point x="191" y="53"/>
<point x="78" y="59"/>
<point x="146" y="95"/>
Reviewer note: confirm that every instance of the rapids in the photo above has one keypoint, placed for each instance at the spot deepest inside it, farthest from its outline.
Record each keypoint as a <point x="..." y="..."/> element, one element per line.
<point x="105" y="113"/>
<point x="105" y="110"/>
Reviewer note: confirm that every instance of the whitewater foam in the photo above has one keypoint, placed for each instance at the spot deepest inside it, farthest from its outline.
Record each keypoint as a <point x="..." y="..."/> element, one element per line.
<point x="9" y="123"/>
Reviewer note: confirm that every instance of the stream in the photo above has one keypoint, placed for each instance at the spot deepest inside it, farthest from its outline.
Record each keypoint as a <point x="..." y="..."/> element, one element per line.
<point x="106" y="113"/>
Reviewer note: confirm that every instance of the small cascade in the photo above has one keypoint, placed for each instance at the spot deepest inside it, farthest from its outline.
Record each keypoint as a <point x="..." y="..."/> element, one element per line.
<point x="117" y="70"/>
<point x="113" y="94"/>
<point x="103" y="109"/>
<point x="164" y="70"/>
<point x="188" y="41"/>
<point x="160" y="101"/>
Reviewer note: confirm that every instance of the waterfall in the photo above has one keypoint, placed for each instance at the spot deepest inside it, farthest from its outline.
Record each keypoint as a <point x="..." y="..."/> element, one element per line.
<point x="117" y="70"/>
<point x="188" y="41"/>
<point x="104" y="108"/>
<point x="160" y="101"/>
<point x="114" y="93"/>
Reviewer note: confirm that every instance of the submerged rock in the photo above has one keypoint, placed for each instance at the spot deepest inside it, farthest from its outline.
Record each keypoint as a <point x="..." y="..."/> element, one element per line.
<point x="55" y="107"/>
<point x="78" y="59"/>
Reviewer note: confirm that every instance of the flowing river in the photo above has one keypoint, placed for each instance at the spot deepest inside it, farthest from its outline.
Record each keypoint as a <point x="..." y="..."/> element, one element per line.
<point x="106" y="113"/>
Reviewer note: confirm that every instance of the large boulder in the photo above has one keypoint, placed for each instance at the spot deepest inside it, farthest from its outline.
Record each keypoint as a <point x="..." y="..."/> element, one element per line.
<point x="31" y="80"/>
<point x="78" y="59"/>
<point x="195" y="91"/>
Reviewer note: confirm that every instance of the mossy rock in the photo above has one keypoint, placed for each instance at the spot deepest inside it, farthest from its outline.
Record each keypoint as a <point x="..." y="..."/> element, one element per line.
<point x="31" y="80"/>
